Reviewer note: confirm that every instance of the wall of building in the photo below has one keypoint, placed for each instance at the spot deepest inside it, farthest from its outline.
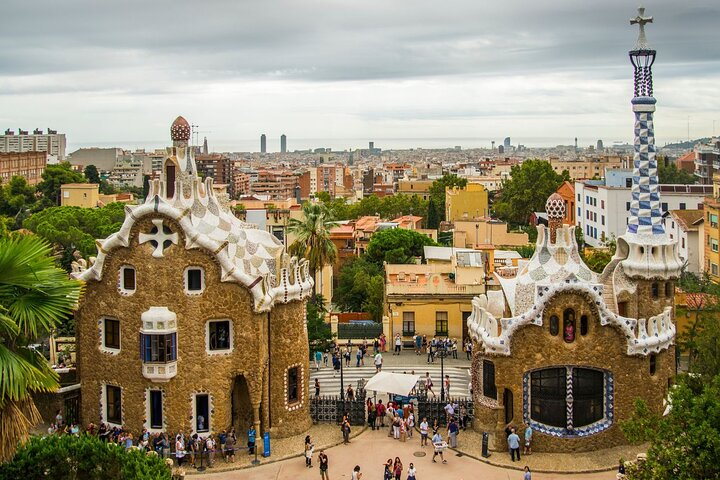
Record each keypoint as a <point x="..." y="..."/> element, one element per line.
<point x="29" y="165"/>
<point x="85" y="195"/>
<point x="480" y="232"/>
<point x="466" y="203"/>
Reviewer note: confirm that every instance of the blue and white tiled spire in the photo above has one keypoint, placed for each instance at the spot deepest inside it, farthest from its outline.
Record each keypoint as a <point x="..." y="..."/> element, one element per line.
<point x="645" y="214"/>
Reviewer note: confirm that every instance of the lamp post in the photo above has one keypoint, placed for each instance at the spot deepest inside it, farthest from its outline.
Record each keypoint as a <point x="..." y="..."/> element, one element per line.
<point x="342" y="381"/>
<point x="442" y="353"/>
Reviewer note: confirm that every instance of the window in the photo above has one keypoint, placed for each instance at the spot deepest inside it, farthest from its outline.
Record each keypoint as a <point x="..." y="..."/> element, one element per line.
<point x="279" y="233"/>
<point x="713" y="245"/>
<point x="547" y="397"/>
<point x="293" y="387"/>
<point x="664" y="206"/>
<point x="668" y="289"/>
<point x="127" y="279"/>
<point x="158" y="348"/>
<point x="602" y="219"/>
<point x="682" y="242"/>
<point x="588" y="395"/>
<point x="194" y="280"/>
<point x="111" y="333"/>
<point x="579" y="197"/>
<point x="653" y="363"/>
<point x="219" y="335"/>
<point x="569" y="325"/>
<point x="489" y="388"/>
<point x="628" y="182"/>
<point x="655" y="290"/>
<point x="554" y="325"/>
<point x="602" y="204"/>
<point x="202" y="413"/>
<point x="156" y="412"/>
<point x="627" y="206"/>
<point x="714" y="269"/>
<point x="682" y="206"/>
<point x="441" y="324"/>
<point x="113" y="404"/>
<point x="408" y="323"/>
<point x="583" y="325"/>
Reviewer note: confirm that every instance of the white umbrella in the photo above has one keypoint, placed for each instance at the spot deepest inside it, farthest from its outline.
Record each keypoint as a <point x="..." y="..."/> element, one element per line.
<point x="388" y="382"/>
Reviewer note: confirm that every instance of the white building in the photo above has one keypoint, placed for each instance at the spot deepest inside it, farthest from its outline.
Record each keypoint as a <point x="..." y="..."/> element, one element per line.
<point x="51" y="142"/>
<point x="603" y="211"/>
<point x="684" y="226"/>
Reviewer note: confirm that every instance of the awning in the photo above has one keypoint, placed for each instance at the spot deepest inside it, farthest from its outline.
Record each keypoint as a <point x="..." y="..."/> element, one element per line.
<point x="397" y="383"/>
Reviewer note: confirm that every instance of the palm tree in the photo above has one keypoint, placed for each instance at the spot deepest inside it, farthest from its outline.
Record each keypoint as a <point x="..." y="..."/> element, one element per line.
<point x="35" y="296"/>
<point x="313" y="238"/>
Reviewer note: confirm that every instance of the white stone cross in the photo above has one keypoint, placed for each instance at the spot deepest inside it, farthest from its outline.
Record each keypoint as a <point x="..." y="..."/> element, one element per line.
<point x="159" y="237"/>
<point x="641" y="20"/>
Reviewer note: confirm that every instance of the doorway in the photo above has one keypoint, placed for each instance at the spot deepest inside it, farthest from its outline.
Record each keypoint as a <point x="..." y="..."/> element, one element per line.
<point x="508" y="403"/>
<point x="241" y="408"/>
<point x="169" y="180"/>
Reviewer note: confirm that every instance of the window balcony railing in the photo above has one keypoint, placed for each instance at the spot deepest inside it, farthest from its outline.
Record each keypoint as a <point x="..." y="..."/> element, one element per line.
<point x="159" y="372"/>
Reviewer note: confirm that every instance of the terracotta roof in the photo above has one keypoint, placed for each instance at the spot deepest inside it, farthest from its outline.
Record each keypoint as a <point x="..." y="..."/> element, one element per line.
<point x="368" y="223"/>
<point x="687" y="219"/>
<point x="688" y="157"/>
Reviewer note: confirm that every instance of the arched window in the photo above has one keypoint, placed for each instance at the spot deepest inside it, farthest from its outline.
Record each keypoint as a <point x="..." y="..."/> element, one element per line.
<point x="588" y="394"/>
<point x="569" y="325"/>
<point x="655" y="288"/>
<point x="554" y="325"/>
<point x="583" y="325"/>
<point x="668" y="289"/>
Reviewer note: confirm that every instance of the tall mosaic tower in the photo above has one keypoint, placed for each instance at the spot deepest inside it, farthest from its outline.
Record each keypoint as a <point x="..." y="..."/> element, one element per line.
<point x="645" y="215"/>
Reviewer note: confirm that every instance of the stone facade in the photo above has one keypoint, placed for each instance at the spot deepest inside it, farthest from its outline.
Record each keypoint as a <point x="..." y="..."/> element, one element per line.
<point x="245" y="279"/>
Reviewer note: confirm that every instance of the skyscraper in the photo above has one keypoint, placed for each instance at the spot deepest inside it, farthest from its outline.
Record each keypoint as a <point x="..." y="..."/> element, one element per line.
<point x="600" y="147"/>
<point x="263" y="143"/>
<point x="506" y="142"/>
<point x="283" y="143"/>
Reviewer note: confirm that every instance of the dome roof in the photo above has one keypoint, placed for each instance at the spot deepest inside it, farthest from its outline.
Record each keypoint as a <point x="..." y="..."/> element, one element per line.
<point x="180" y="130"/>
<point x="555" y="206"/>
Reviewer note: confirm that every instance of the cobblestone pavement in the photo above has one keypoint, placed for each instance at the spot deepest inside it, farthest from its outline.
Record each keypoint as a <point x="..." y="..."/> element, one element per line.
<point x="372" y="448"/>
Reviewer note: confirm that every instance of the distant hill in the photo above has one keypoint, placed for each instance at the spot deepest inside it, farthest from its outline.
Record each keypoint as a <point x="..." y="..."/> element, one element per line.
<point x="687" y="145"/>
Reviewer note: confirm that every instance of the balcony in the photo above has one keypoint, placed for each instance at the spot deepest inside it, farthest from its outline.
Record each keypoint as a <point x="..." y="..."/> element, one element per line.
<point x="159" y="372"/>
<point x="440" y="288"/>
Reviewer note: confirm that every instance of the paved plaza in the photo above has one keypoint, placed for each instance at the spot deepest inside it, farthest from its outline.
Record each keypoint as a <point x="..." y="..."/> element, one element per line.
<point x="372" y="448"/>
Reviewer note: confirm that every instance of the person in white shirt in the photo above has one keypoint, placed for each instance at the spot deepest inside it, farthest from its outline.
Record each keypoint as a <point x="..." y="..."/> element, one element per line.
<point x="378" y="362"/>
<point x="411" y="472"/>
<point x="439" y="447"/>
<point x="410" y="424"/>
<point x="398" y="344"/>
<point x="423" y="432"/>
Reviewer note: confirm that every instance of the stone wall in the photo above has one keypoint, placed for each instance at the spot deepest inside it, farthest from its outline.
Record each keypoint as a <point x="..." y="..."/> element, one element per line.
<point x="160" y="283"/>
<point x="604" y="347"/>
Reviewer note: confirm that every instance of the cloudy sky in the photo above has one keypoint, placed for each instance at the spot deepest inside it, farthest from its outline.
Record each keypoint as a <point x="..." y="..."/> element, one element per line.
<point x="340" y="72"/>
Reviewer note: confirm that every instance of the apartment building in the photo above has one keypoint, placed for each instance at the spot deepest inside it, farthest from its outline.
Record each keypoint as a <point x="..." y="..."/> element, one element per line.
<point x="29" y="165"/>
<point x="50" y="142"/>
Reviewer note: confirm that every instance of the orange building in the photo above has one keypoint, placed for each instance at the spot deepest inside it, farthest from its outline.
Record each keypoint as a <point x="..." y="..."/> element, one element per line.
<point x="567" y="192"/>
<point x="29" y="165"/>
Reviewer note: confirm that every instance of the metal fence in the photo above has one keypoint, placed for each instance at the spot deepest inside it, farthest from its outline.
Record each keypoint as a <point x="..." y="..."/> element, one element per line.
<point x="330" y="409"/>
<point x="432" y="407"/>
<point x="359" y="331"/>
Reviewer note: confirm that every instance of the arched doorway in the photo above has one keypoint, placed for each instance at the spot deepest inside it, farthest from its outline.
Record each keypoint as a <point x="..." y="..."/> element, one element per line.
<point x="169" y="179"/>
<point x="242" y="410"/>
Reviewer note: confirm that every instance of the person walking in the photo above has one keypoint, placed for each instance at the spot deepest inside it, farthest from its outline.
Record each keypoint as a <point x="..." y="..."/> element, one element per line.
<point x="378" y="362"/>
<point x="514" y="445"/>
<point x="528" y="440"/>
<point x="325" y="358"/>
<point x="396" y="426"/>
<point x="418" y="343"/>
<point x="230" y="447"/>
<point x="398" y="344"/>
<point x="358" y="357"/>
<point x="447" y="385"/>
<point x="439" y="447"/>
<point x="388" y="471"/>
<point x="423" y="432"/>
<point x="463" y="416"/>
<point x="453" y="430"/>
<point x="345" y="427"/>
<point x="376" y="346"/>
<point x="308" y="451"/>
<point x="468" y="349"/>
<point x="317" y="387"/>
<point x="356" y="474"/>
<point x="251" y="439"/>
<point x="210" y="446"/>
<point x="527" y="475"/>
<point x="411" y="472"/>
<point x="410" y="422"/>
<point x="428" y="384"/>
<point x="179" y="450"/>
<point x="318" y="358"/>
<point x="323" y="459"/>
<point x="380" y="414"/>
<point x="397" y="468"/>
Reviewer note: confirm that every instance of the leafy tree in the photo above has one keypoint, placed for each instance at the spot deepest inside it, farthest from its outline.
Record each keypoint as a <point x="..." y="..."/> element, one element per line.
<point x="670" y="174"/>
<point x="529" y="187"/>
<point x="445" y="238"/>
<point x="437" y="193"/>
<point x="700" y="340"/>
<point x="598" y="258"/>
<point x="91" y="174"/>
<point x="433" y="219"/>
<point x="319" y="335"/>
<point x="313" y="238"/>
<point x="685" y="444"/>
<point x="53" y="177"/>
<point x="353" y="292"/>
<point x="73" y="458"/>
<point x="17" y="198"/>
<point x="77" y="228"/>
<point x="397" y="245"/>
<point x="35" y="296"/>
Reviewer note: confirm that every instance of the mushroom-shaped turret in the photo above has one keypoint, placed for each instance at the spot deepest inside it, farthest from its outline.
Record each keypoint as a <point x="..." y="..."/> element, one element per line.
<point x="180" y="130"/>
<point x="555" y="209"/>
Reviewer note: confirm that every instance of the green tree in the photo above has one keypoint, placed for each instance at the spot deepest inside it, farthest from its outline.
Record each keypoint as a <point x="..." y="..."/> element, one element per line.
<point x="433" y="218"/>
<point x="437" y="194"/>
<point x="35" y="296"/>
<point x="53" y="177"/>
<point x="17" y="198"/>
<point x="529" y="187"/>
<point x="69" y="457"/>
<point x="91" y="174"/>
<point x="319" y="335"/>
<point x="670" y="174"/>
<point x="353" y="283"/>
<point x="700" y="341"/>
<point x="685" y="444"/>
<point x="397" y="245"/>
<point x="73" y="228"/>
<point x="313" y="238"/>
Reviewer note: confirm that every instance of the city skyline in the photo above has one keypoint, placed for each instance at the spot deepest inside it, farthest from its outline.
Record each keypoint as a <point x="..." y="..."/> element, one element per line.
<point x="362" y="72"/>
